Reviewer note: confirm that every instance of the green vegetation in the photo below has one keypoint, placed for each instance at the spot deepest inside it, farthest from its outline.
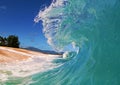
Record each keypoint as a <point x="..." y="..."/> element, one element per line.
<point x="10" y="41"/>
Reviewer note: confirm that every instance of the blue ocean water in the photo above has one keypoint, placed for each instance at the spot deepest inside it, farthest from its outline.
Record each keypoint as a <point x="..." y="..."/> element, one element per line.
<point x="91" y="25"/>
<point x="93" y="28"/>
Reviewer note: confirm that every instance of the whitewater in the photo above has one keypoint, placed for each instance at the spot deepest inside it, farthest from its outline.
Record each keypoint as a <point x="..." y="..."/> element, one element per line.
<point x="91" y="29"/>
<point x="16" y="65"/>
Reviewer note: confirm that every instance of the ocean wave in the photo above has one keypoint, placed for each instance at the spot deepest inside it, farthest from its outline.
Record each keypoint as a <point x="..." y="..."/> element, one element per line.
<point x="93" y="26"/>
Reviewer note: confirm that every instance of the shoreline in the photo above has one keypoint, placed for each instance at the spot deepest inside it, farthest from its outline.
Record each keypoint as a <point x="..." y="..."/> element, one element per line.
<point x="16" y="62"/>
<point x="9" y="54"/>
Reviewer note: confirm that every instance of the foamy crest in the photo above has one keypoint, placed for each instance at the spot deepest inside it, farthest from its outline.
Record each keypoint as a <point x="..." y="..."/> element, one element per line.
<point x="51" y="18"/>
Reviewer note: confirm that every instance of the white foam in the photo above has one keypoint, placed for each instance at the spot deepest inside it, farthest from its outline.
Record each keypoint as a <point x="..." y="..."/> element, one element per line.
<point x="51" y="18"/>
<point x="36" y="63"/>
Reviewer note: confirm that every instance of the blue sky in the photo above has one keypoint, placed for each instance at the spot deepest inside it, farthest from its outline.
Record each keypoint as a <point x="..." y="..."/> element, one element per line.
<point x="17" y="18"/>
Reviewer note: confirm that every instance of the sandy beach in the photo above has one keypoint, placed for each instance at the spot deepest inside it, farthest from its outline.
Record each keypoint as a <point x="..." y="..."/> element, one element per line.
<point x="8" y="54"/>
<point x="16" y="62"/>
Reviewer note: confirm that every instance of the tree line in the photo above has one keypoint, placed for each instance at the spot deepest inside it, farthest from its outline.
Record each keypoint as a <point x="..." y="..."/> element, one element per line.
<point x="10" y="41"/>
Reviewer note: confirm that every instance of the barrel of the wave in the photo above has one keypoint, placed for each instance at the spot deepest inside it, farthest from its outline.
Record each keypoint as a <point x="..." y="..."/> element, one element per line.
<point x="94" y="27"/>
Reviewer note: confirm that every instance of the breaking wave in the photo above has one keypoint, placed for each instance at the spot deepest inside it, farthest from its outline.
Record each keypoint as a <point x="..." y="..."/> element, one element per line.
<point x="91" y="30"/>
<point x="91" y="27"/>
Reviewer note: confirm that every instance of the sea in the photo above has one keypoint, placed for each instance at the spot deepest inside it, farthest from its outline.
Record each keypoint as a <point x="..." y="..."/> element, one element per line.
<point x="91" y="29"/>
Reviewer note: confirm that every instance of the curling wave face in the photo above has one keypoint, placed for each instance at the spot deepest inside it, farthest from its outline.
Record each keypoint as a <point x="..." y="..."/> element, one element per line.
<point x="93" y="27"/>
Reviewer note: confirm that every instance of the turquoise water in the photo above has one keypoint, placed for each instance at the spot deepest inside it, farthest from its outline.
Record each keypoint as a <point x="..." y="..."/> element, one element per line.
<point x="93" y="28"/>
